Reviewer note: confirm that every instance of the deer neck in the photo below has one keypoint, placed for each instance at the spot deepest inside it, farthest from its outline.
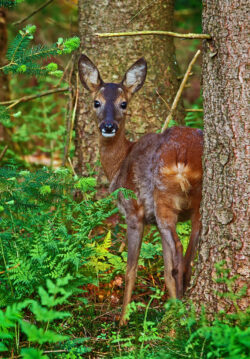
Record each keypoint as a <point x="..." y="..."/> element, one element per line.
<point x="113" y="152"/>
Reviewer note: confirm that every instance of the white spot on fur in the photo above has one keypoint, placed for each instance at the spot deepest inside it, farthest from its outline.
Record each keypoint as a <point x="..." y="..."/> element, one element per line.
<point x="179" y="172"/>
<point x="182" y="177"/>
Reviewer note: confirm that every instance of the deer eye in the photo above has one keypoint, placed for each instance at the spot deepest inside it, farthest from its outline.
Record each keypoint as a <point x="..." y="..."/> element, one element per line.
<point x="124" y="105"/>
<point x="97" y="104"/>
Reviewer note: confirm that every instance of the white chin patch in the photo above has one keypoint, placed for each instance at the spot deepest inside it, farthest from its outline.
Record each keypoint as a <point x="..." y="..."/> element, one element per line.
<point x="108" y="134"/>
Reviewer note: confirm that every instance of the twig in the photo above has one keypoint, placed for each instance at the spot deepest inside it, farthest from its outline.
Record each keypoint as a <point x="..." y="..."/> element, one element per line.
<point x="71" y="165"/>
<point x="65" y="71"/>
<point x="163" y="100"/>
<point x="194" y="109"/>
<point x="181" y="76"/>
<point x="158" y="32"/>
<point x="2" y="155"/>
<point x="32" y="97"/>
<point x="102" y="315"/>
<point x="55" y="351"/>
<point x="138" y="13"/>
<point x="17" y="265"/>
<point x="33" y="13"/>
<point x="70" y="125"/>
<point x="179" y="92"/>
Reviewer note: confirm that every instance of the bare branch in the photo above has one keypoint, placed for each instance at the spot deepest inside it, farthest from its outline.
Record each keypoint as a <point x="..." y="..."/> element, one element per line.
<point x="140" y="11"/>
<point x="15" y="102"/>
<point x="71" y="165"/>
<point x="194" y="109"/>
<point x="33" y="13"/>
<point x="167" y="105"/>
<point x="179" y="92"/>
<point x="158" y="32"/>
<point x="2" y="156"/>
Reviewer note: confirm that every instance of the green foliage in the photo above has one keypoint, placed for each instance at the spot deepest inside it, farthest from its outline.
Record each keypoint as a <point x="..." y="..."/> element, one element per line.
<point x="193" y="119"/>
<point x="38" y="124"/>
<point x="5" y="117"/>
<point x="23" y="59"/>
<point x="44" y="236"/>
<point x="9" y="3"/>
<point x="185" y="333"/>
<point x="35" y="129"/>
<point x="17" y="320"/>
<point x="48" y="240"/>
<point x="188" y="14"/>
<point x="152" y="248"/>
<point x="38" y="129"/>
<point x="44" y="233"/>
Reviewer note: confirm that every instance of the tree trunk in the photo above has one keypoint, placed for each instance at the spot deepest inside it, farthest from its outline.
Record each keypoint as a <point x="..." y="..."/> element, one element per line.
<point x="113" y="56"/>
<point x="224" y="205"/>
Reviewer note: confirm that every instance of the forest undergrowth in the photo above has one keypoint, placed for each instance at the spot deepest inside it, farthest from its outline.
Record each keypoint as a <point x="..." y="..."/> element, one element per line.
<point x="62" y="280"/>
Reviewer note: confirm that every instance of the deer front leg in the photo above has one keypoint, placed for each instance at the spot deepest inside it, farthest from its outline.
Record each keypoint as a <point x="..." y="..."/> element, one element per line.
<point x="134" y="236"/>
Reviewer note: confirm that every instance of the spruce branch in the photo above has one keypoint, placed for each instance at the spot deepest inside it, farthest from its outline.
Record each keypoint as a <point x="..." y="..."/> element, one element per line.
<point x="38" y="52"/>
<point x="179" y="92"/>
<point x="157" y="32"/>
<point x="23" y="59"/>
<point x="20" y="43"/>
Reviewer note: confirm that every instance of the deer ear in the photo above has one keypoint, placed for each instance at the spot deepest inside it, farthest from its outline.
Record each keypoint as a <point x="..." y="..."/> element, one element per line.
<point x="89" y="74"/>
<point x="135" y="76"/>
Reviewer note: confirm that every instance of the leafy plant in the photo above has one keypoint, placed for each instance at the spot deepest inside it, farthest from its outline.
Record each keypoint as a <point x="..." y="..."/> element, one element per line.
<point x="44" y="233"/>
<point x="183" y="332"/>
<point x="32" y="319"/>
<point x="38" y="125"/>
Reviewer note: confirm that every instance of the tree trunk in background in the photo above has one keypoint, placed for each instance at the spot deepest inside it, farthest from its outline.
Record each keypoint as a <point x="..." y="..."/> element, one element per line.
<point x="114" y="55"/>
<point x="4" y="81"/>
<point x="224" y="208"/>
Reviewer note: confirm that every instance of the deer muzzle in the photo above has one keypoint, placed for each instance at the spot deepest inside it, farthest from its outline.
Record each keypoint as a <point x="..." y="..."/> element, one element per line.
<point x="108" y="129"/>
<point x="109" y="126"/>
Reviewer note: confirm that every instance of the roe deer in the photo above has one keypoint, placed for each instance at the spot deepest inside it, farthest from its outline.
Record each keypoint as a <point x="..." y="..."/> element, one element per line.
<point x="164" y="170"/>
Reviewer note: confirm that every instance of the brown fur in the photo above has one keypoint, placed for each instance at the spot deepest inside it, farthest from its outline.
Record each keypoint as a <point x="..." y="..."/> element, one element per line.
<point x="164" y="170"/>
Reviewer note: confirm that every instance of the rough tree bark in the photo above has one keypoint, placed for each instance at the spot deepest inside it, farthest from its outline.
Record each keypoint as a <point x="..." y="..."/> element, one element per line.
<point x="224" y="206"/>
<point x="114" y="55"/>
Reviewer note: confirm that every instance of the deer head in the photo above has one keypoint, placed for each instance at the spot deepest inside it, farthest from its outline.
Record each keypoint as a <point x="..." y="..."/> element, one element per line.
<point x="111" y="99"/>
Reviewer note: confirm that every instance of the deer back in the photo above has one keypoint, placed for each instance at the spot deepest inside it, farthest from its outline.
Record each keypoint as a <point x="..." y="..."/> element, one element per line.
<point x="169" y="162"/>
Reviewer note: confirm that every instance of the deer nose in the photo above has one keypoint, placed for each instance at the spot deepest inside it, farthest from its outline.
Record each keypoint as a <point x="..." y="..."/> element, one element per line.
<point x="108" y="129"/>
